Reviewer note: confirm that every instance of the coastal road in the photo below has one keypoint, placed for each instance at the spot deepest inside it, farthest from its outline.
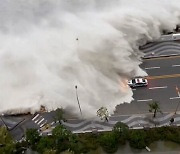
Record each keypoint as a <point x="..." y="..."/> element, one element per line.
<point x="164" y="76"/>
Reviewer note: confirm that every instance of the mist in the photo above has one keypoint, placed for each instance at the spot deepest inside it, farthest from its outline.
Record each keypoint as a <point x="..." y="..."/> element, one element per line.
<point x="47" y="47"/>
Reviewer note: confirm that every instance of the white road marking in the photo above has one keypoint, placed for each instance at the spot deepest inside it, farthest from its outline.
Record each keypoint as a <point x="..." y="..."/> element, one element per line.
<point x="174" y="98"/>
<point x="43" y="124"/>
<point x="145" y="100"/>
<point x="149" y="68"/>
<point x="158" y="87"/>
<point x="133" y="89"/>
<point x="35" y="117"/>
<point x="52" y="123"/>
<point x="40" y="121"/>
<point x="175" y="65"/>
<point x="36" y="121"/>
<point x="49" y="134"/>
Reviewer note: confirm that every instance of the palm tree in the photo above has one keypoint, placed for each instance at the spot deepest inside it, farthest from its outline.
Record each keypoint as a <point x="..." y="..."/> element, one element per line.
<point x="154" y="107"/>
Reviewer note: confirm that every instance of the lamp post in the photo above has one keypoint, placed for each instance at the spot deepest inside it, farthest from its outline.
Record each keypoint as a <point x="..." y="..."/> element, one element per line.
<point x="177" y="90"/>
<point x="78" y="101"/>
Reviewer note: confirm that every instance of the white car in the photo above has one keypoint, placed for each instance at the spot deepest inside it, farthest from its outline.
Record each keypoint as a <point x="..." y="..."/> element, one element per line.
<point x="138" y="82"/>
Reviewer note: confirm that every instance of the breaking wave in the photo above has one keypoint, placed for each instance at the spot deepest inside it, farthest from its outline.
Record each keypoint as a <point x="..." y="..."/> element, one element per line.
<point x="48" y="47"/>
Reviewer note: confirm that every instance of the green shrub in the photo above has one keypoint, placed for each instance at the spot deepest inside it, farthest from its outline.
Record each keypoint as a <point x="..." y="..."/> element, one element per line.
<point x="152" y="135"/>
<point x="45" y="142"/>
<point x="7" y="144"/>
<point x="137" y="139"/>
<point x="173" y="134"/>
<point x="32" y="137"/>
<point x="20" y="147"/>
<point x="122" y="131"/>
<point x="89" y="140"/>
<point x="109" y="142"/>
<point x="162" y="131"/>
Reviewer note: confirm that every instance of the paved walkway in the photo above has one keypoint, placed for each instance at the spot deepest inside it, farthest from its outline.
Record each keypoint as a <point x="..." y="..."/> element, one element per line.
<point x="133" y="121"/>
<point x="157" y="49"/>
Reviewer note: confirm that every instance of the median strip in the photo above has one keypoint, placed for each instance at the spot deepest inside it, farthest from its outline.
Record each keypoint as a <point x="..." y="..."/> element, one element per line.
<point x="163" y="76"/>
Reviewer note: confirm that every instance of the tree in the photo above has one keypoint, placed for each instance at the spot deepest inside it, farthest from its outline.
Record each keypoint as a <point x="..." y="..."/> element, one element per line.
<point x="44" y="143"/>
<point x="103" y="113"/>
<point x="85" y="143"/>
<point x="59" y="115"/>
<point x="137" y="139"/>
<point x="7" y="144"/>
<point x="32" y="137"/>
<point x="154" y="107"/>
<point x="21" y="147"/>
<point x="61" y="132"/>
<point x="62" y="138"/>
<point x="109" y="142"/>
<point x="121" y="130"/>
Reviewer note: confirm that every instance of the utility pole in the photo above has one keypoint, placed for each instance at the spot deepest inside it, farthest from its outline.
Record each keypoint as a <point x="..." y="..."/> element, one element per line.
<point x="177" y="90"/>
<point x="78" y="101"/>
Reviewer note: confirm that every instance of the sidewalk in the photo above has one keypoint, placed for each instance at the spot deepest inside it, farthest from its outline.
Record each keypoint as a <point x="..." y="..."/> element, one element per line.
<point x="161" y="49"/>
<point x="133" y="121"/>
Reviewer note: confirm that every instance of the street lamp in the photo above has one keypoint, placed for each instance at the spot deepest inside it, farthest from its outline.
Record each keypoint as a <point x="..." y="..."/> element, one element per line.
<point x="177" y="90"/>
<point x="78" y="101"/>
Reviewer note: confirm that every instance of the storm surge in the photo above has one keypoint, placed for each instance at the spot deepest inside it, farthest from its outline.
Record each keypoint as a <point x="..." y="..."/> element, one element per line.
<point x="47" y="47"/>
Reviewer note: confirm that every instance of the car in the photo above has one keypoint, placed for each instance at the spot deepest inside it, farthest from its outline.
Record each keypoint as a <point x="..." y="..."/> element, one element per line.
<point x="138" y="82"/>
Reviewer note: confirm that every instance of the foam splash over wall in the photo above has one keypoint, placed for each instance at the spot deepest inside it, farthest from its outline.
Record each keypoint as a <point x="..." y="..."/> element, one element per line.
<point x="48" y="47"/>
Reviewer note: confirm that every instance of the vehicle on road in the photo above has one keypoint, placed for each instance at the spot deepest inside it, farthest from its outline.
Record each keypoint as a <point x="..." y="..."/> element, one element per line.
<point x="138" y="82"/>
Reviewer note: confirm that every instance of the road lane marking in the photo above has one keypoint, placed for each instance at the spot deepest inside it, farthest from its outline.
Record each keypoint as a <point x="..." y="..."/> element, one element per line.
<point x="36" y="121"/>
<point x="158" y="87"/>
<point x="163" y="76"/>
<point x="161" y="58"/>
<point x="150" y="68"/>
<point x="40" y="121"/>
<point x="43" y="124"/>
<point x="52" y="123"/>
<point x="175" y="65"/>
<point x="35" y="117"/>
<point x="144" y="100"/>
<point x="133" y="89"/>
<point x="174" y="98"/>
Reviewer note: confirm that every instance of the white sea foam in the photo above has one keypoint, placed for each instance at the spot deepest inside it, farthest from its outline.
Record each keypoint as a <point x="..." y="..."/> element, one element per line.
<point x="47" y="47"/>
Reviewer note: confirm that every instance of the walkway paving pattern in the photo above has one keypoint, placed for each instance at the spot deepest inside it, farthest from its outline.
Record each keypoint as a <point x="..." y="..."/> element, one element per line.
<point x="133" y="121"/>
<point x="158" y="49"/>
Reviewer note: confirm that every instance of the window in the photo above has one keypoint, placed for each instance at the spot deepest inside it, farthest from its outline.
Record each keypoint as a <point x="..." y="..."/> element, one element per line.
<point x="133" y="81"/>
